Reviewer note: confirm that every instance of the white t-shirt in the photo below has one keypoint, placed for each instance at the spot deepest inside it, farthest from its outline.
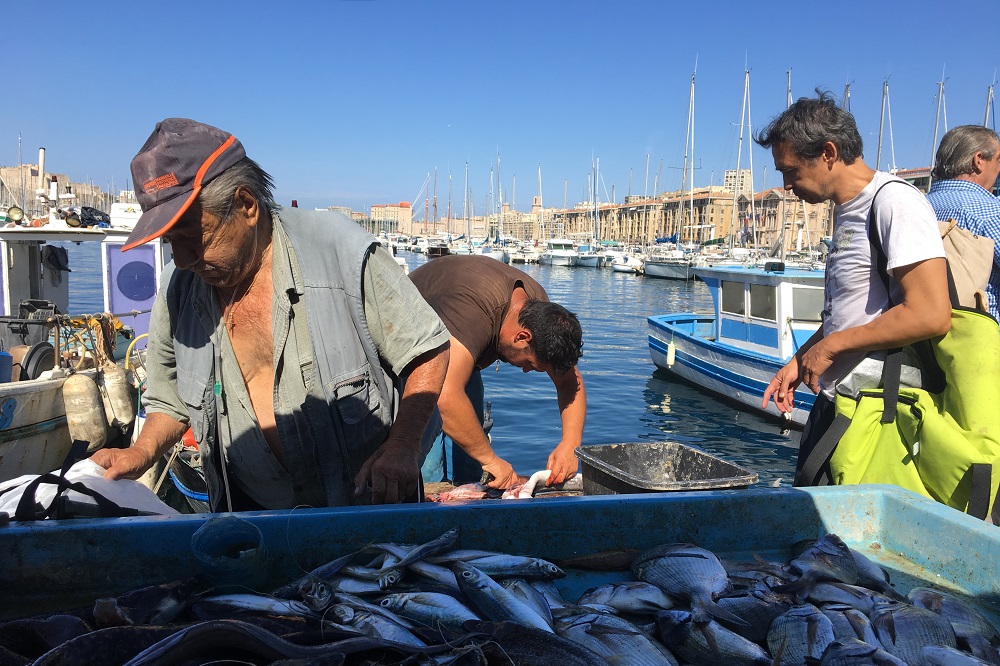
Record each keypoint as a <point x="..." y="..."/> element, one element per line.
<point x="854" y="293"/>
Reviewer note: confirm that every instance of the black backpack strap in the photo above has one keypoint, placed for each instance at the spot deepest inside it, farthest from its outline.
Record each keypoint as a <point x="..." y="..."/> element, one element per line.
<point x="815" y="466"/>
<point x="29" y="509"/>
<point x="981" y="475"/>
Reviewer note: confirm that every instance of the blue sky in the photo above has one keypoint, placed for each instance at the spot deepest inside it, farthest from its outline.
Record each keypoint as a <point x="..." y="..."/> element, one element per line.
<point x="354" y="102"/>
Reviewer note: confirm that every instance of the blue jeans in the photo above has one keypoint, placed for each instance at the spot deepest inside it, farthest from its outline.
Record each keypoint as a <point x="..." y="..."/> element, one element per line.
<point x="441" y="454"/>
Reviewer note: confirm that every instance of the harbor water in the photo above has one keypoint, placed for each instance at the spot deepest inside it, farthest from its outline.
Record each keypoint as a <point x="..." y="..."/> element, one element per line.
<point x="628" y="399"/>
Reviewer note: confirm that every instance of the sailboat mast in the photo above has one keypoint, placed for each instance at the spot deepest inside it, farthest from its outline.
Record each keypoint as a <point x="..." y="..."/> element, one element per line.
<point x="881" y="124"/>
<point x="784" y="192"/>
<point x="753" y="208"/>
<point x="989" y="106"/>
<point x="448" y="228"/>
<point x="937" y="117"/>
<point x="739" y="155"/>
<point x="434" y="225"/>
<point x="541" y="204"/>
<point x="465" y="206"/>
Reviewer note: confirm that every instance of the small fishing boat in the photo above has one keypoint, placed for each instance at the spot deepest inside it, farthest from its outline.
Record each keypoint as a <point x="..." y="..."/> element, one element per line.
<point x="762" y="315"/>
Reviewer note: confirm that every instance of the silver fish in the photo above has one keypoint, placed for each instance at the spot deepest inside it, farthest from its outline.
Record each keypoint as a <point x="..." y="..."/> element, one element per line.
<point x="855" y="596"/>
<point x="357" y="603"/>
<point x="522" y="590"/>
<point x="502" y="565"/>
<point x="548" y="590"/>
<point x="828" y="559"/>
<point x="375" y="625"/>
<point x="322" y="572"/>
<point x="964" y="618"/>
<point x="850" y="623"/>
<point x="873" y="576"/>
<point x="757" y="606"/>
<point x="493" y="601"/>
<point x="442" y="544"/>
<point x="633" y="597"/>
<point x="853" y="652"/>
<point x="939" y="655"/>
<point x="800" y="633"/>
<point x="904" y="630"/>
<point x="430" y="609"/>
<point x="611" y="637"/>
<point x="439" y="574"/>
<point x="256" y="603"/>
<point x="690" y="573"/>
<point x="708" y="643"/>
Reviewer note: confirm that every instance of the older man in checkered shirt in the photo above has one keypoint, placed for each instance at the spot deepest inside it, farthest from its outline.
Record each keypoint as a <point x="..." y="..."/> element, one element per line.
<point x="965" y="171"/>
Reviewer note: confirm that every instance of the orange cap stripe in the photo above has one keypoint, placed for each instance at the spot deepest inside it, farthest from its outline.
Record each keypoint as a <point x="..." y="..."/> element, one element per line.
<point x="211" y="158"/>
<point x="194" y="194"/>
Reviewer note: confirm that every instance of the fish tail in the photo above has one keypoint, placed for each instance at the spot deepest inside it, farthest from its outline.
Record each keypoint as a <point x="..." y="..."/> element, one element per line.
<point x="704" y="610"/>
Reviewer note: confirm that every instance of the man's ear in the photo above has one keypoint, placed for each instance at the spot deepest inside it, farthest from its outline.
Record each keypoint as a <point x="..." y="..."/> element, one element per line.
<point x="830" y="153"/>
<point x="523" y="335"/>
<point x="248" y="204"/>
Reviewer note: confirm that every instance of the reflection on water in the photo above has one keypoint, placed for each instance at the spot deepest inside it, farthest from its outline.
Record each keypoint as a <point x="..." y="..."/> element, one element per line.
<point x="682" y="412"/>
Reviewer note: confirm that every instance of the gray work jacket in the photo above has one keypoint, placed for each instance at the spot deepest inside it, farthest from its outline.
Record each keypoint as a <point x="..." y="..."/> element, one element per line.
<point x="352" y="398"/>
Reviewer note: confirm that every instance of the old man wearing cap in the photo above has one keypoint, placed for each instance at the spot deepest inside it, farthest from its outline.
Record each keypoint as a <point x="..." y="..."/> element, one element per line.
<point x="277" y="337"/>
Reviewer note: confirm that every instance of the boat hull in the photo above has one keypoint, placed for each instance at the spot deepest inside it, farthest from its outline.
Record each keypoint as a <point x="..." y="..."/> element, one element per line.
<point x="668" y="271"/>
<point x="725" y="370"/>
<point x="556" y="260"/>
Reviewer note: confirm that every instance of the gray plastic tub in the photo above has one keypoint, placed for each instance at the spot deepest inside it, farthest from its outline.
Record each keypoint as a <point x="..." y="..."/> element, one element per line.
<point x="649" y="467"/>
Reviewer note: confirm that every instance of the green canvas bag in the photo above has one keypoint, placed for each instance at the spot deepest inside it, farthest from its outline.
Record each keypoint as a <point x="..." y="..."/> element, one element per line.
<point x="941" y="441"/>
<point x="944" y="445"/>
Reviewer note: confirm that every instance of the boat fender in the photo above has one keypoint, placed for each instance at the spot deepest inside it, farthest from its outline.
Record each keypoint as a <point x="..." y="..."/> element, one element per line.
<point x="671" y="354"/>
<point x="116" y="395"/>
<point x="84" y="411"/>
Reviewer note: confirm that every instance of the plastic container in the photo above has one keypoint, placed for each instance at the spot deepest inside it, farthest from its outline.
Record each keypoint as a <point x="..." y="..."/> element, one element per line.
<point x="232" y="553"/>
<point x="650" y="467"/>
<point x="6" y="365"/>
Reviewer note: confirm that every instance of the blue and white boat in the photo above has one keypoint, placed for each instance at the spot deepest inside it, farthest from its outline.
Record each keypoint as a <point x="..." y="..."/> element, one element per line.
<point x="762" y="316"/>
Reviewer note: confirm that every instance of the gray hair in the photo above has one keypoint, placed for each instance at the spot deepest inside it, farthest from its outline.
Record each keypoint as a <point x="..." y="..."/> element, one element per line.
<point x="958" y="149"/>
<point x="809" y="123"/>
<point x="217" y="196"/>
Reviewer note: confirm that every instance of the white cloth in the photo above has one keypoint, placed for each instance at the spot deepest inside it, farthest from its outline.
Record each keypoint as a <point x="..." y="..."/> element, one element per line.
<point x="122" y="492"/>
<point x="854" y="293"/>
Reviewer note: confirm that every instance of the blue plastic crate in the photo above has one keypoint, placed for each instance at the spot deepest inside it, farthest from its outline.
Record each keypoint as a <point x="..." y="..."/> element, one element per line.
<point x="49" y="566"/>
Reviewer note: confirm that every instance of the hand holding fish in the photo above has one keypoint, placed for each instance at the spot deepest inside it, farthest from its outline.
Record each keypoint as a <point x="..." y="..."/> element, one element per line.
<point x="503" y="473"/>
<point x="562" y="463"/>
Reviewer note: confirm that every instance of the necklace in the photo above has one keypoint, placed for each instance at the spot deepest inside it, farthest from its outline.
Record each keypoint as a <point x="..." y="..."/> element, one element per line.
<point x="231" y="308"/>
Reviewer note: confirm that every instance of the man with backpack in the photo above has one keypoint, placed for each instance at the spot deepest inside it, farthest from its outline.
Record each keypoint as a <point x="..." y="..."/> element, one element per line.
<point x="817" y="148"/>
